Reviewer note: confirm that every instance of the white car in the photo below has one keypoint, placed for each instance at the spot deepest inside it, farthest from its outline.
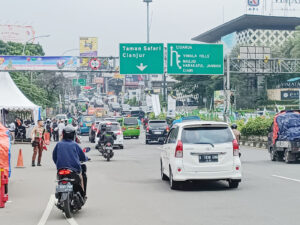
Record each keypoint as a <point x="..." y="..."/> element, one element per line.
<point x="201" y="150"/>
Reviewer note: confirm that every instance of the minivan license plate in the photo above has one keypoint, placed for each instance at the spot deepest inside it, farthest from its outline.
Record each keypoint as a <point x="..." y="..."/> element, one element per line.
<point x="208" y="158"/>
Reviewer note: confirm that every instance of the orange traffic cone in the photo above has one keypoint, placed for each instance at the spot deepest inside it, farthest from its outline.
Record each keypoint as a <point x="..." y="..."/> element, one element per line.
<point x="20" y="163"/>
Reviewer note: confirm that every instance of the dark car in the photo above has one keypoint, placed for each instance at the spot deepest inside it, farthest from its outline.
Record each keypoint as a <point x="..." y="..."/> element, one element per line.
<point x="157" y="130"/>
<point x="93" y="131"/>
<point x="138" y="113"/>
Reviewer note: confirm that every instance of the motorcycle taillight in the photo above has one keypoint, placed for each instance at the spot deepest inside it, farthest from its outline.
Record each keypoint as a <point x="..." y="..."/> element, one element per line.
<point x="64" y="172"/>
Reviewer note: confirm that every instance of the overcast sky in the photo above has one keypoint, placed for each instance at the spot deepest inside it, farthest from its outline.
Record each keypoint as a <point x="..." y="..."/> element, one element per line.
<point x="116" y="21"/>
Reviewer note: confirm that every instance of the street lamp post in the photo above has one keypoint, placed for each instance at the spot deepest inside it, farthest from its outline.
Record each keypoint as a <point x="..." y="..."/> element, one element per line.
<point x="42" y="36"/>
<point x="70" y="50"/>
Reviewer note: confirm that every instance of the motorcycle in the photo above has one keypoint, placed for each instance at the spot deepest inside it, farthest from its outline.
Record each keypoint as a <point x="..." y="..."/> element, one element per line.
<point x="108" y="151"/>
<point x="69" y="193"/>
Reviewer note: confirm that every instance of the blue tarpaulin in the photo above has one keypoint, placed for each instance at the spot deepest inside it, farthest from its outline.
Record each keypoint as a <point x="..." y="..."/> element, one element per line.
<point x="288" y="126"/>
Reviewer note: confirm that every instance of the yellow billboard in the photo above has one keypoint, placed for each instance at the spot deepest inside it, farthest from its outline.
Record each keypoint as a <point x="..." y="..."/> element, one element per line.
<point x="88" y="48"/>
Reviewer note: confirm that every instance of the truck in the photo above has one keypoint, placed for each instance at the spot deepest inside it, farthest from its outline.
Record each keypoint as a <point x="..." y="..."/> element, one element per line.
<point x="284" y="137"/>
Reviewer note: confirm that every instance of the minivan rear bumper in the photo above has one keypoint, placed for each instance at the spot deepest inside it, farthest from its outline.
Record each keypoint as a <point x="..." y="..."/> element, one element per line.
<point x="223" y="175"/>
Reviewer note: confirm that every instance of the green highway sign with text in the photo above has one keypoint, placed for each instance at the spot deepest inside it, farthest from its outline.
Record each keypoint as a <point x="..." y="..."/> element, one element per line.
<point x="141" y="58"/>
<point x="79" y="82"/>
<point x="195" y="59"/>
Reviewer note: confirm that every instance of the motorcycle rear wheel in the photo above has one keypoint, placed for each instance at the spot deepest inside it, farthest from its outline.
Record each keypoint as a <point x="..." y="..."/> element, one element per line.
<point x="67" y="207"/>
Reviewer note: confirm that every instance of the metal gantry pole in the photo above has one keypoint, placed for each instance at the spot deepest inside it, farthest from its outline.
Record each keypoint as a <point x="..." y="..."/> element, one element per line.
<point x="148" y="25"/>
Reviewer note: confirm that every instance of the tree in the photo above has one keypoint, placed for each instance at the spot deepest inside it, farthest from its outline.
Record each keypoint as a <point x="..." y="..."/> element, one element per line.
<point x="41" y="88"/>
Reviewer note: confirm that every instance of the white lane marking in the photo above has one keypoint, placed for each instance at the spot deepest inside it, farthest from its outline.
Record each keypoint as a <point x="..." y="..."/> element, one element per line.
<point x="71" y="221"/>
<point x="47" y="211"/>
<point x="286" y="178"/>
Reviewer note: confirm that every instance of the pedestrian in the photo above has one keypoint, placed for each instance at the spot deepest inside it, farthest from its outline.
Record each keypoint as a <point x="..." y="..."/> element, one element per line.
<point x="37" y="140"/>
<point x="61" y="127"/>
<point x="54" y="127"/>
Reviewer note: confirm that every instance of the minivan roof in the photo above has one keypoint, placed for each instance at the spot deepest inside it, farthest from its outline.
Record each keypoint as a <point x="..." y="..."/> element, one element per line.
<point x="191" y="123"/>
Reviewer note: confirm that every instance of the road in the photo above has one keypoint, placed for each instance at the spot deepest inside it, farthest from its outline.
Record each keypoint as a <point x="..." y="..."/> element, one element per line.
<point x="128" y="191"/>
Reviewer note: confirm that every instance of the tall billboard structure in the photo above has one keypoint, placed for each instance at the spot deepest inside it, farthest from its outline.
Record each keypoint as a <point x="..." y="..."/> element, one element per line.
<point x="88" y="48"/>
<point x="16" y="33"/>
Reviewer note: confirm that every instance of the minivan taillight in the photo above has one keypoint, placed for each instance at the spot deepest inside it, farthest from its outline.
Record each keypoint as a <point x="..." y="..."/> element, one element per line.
<point x="235" y="147"/>
<point x="147" y="129"/>
<point x="179" y="150"/>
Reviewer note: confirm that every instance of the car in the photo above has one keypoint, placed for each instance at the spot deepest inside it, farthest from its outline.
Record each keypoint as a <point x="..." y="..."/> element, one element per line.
<point x="61" y="117"/>
<point x="85" y="123"/>
<point x="116" y="128"/>
<point x="111" y="119"/>
<point x="115" y="106"/>
<point x="137" y="113"/>
<point x="130" y="127"/>
<point x="93" y="131"/>
<point x="200" y="150"/>
<point x="157" y="130"/>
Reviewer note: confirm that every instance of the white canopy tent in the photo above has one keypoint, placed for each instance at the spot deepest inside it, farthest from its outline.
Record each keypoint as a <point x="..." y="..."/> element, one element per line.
<point x="12" y="99"/>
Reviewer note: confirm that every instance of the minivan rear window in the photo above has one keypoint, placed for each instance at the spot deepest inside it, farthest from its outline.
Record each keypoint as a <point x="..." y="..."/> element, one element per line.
<point x="158" y="124"/>
<point x="213" y="135"/>
<point x="130" y="121"/>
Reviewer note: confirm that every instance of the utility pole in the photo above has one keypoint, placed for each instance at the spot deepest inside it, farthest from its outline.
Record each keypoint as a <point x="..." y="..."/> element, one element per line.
<point x="227" y="92"/>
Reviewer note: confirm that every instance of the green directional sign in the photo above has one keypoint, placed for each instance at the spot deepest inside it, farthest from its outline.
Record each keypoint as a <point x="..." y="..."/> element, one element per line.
<point x="141" y="58"/>
<point x="195" y="59"/>
<point x="79" y="82"/>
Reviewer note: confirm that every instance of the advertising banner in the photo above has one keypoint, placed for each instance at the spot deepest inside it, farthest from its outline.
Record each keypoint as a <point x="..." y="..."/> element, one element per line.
<point x="16" y="33"/>
<point x="134" y="80"/>
<point x="88" y="48"/>
<point x="38" y="63"/>
<point x="219" y="98"/>
<point x="156" y="105"/>
<point x="99" y="80"/>
<point x="171" y="107"/>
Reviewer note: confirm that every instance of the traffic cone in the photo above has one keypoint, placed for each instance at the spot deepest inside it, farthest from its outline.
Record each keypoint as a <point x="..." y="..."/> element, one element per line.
<point x="20" y="163"/>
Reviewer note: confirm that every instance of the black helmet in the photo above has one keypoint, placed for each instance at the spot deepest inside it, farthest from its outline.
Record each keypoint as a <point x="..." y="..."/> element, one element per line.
<point x="103" y="128"/>
<point x="69" y="133"/>
<point x="108" y="129"/>
<point x="234" y="126"/>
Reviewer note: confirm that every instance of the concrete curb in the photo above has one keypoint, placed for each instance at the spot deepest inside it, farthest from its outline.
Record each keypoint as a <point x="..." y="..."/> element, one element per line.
<point x="255" y="144"/>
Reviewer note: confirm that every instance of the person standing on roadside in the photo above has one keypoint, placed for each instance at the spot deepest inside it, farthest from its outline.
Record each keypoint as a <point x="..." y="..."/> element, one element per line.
<point x="37" y="140"/>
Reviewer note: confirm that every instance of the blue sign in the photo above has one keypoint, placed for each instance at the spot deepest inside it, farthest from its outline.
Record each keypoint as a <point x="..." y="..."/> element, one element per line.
<point x="253" y="2"/>
<point x="289" y="95"/>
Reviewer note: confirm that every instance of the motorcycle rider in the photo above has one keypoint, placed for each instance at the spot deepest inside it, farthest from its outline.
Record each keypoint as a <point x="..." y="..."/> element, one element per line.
<point x="236" y="133"/>
<point x="67" y="154"/>
<point x="107" y="135"/>
<point x="54" y="127"/>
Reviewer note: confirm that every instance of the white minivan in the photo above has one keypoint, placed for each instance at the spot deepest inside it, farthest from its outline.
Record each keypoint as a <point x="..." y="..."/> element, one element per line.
<point x="201" y="150"/>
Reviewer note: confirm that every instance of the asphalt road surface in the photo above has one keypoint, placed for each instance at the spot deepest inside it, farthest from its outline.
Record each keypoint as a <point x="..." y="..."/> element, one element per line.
<point x="128" y="191"/>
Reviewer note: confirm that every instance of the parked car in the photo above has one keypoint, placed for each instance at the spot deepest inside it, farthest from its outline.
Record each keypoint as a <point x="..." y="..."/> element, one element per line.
<point x="284" y="137"/>
<point x="201" y="150"/>
<point x="116" y="128"/>
<point x="93" y="131"/>
<point x="157" y="130"/>
<point x="130" y="127"/>
<point x="85" y="123"/>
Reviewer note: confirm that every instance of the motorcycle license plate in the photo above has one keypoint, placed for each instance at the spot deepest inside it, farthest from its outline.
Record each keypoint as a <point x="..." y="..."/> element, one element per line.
<point x="64" y="188"/>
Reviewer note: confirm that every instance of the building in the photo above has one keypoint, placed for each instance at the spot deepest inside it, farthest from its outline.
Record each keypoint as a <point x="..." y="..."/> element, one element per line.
<point x="252" y="30"/>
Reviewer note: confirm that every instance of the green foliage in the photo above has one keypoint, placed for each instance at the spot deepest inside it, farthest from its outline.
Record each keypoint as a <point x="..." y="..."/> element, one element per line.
<point x="258" y="126"/>
<point x="132" y="102"/>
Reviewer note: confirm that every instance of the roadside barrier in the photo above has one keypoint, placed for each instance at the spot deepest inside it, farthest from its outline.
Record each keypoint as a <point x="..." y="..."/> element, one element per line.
<point x="3" y="194"/>
<point x="20" y="163"/>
